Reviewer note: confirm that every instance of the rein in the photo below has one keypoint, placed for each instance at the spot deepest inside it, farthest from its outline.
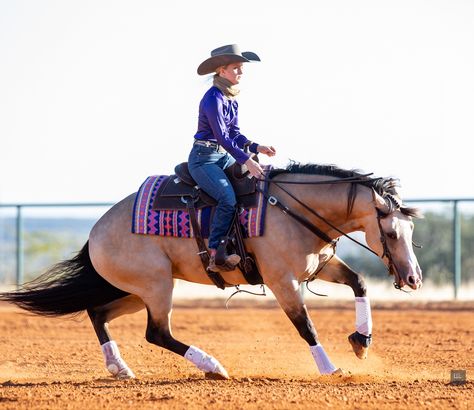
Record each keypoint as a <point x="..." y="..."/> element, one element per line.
<point x="392" y="203"/>
<point x="313" y="228"/>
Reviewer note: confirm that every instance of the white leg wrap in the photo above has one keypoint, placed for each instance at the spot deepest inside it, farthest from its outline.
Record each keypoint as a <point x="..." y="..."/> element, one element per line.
<point x="114" y="363"/>
<point x="322" y="360"/>
<point x="204" y="362"/>
<point x="363" y="316"/>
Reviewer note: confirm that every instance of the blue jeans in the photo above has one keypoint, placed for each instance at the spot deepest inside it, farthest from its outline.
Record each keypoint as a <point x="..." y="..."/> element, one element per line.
<point x="206" y="166"/>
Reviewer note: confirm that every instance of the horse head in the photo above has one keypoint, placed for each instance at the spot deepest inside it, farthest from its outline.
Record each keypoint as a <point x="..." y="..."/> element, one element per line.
<point x="391" y="238"/>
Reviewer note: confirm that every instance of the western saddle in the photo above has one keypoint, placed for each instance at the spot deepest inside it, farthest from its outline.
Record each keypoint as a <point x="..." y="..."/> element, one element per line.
<point x="180" y="191"/>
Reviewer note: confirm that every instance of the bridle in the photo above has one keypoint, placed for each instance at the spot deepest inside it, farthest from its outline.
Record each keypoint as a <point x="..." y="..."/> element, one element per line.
<point x="393" y="205"/>
<point x="392" y="202"/>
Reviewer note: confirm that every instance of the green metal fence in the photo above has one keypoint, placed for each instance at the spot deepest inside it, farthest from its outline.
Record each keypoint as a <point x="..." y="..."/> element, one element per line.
<point x="456" y="227"/>
<point x="456" y="235"/>
<point x="20" y="253"/>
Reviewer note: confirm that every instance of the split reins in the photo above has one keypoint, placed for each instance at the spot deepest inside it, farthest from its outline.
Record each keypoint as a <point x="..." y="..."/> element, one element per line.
<point x="392" y="203"/>
<point x="272" y="200"/>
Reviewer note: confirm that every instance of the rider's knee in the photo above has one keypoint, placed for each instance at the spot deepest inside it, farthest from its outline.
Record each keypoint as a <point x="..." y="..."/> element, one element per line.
<point x="228" y="202"/>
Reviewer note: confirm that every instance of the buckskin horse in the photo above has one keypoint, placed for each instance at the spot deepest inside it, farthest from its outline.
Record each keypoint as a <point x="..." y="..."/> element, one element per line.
<point x="118" y="272"/>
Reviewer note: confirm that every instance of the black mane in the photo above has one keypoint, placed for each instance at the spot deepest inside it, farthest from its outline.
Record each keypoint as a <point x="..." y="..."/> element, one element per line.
<point x="316" y="169"/>
<point x="382" y="186"/>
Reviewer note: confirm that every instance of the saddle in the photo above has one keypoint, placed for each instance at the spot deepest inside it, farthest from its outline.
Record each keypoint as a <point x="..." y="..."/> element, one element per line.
<point x="178" y="189"/>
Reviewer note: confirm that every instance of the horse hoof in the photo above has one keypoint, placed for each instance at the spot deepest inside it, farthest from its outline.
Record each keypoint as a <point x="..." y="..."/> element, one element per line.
<point x="125" y="374"/>
<point x="340" y="372"/>
<point x="360" y="344"/>
<point x="216" y="376"/>
<point x="120" y="373"/>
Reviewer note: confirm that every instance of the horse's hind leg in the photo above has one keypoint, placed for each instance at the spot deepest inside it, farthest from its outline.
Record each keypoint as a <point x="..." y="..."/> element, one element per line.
<point x="100" y="317"/>
<point x="337" y="271"/>
<point x="159" y="307"/>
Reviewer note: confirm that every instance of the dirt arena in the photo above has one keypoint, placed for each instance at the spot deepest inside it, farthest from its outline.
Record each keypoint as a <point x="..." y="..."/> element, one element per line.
<point x="57" y="363"/>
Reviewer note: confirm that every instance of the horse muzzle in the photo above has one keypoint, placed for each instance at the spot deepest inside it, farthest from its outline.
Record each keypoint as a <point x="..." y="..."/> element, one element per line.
<point x="411" y="278"/>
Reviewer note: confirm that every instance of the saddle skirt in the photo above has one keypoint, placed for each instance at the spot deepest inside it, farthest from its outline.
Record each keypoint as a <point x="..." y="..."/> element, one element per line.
<point x="150" y="218"/>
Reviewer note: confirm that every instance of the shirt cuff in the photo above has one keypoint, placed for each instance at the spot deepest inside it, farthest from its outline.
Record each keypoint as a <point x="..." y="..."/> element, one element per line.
<point x="253" y="148"/>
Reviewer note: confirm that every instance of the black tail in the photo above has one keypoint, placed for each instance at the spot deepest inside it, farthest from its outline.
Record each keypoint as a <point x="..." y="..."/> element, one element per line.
<point x="67" y="288"/>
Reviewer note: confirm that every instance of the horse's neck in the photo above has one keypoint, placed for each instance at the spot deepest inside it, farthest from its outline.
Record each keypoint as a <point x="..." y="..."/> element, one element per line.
<point x="331" y="202"/>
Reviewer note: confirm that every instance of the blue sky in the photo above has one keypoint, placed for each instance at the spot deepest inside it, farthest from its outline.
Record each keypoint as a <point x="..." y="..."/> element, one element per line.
<point x="97" y="95"/>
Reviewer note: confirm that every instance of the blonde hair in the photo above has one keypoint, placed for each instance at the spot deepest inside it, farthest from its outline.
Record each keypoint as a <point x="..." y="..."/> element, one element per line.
<point x="223" y="67"/>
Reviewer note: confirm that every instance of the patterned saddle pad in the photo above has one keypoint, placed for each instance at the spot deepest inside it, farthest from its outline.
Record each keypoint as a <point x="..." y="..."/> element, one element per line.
<point x="173" y="222"/>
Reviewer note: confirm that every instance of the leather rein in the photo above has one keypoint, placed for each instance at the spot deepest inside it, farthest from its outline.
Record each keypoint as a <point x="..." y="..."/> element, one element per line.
<point x="391" y="201"/>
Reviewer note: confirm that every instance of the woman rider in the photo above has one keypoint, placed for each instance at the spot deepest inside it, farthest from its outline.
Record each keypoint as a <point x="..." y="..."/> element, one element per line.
<point x="218" y="142"/>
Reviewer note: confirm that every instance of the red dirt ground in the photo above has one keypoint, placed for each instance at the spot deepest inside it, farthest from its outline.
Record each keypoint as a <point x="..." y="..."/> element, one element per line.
<point x="57" y="363"/>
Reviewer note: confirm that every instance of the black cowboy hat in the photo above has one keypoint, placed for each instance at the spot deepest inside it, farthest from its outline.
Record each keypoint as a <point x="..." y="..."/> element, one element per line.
<point x="225" y="55"/>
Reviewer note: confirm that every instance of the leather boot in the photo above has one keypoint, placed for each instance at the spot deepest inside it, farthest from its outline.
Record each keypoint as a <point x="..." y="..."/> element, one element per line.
<point x="231" y="261"/>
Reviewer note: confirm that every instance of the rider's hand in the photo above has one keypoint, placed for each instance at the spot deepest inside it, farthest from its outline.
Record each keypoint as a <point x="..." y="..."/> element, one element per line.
<point x="254" y="168"/>
<point x="267" y="150"/>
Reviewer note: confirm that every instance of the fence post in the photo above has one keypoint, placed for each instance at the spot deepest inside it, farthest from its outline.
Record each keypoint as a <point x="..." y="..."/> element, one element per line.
<point x="456" y="249"/>
<point x="19" y="246"/>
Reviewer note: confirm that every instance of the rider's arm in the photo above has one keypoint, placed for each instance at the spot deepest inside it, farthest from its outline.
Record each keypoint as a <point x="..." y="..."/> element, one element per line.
<point x="213" y="109"/>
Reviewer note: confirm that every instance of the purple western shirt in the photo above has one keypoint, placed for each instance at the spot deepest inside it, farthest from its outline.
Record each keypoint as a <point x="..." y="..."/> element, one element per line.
<point x="218" y="122"/>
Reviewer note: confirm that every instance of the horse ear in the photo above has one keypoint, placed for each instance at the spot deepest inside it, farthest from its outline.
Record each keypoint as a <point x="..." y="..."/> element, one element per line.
<point x="380" y="203"/>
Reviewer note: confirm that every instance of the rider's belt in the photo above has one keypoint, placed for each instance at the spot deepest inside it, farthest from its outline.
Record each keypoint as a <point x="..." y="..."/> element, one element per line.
<point x="206" y="143"/>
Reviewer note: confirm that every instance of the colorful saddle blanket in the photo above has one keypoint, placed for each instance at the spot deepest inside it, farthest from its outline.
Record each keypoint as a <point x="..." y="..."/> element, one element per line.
<point x="147" y="221"/>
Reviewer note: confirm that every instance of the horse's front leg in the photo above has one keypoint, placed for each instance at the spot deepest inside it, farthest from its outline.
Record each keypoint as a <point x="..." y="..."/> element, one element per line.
<point x="289" y="297"/>
<point x="336" y="271"/>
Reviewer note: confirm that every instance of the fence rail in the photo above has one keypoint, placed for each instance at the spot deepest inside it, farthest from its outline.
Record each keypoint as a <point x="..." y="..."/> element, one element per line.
<point x="456" y="236"/>
<point x="456" y="227"/>
<point x="20" y="251"/>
